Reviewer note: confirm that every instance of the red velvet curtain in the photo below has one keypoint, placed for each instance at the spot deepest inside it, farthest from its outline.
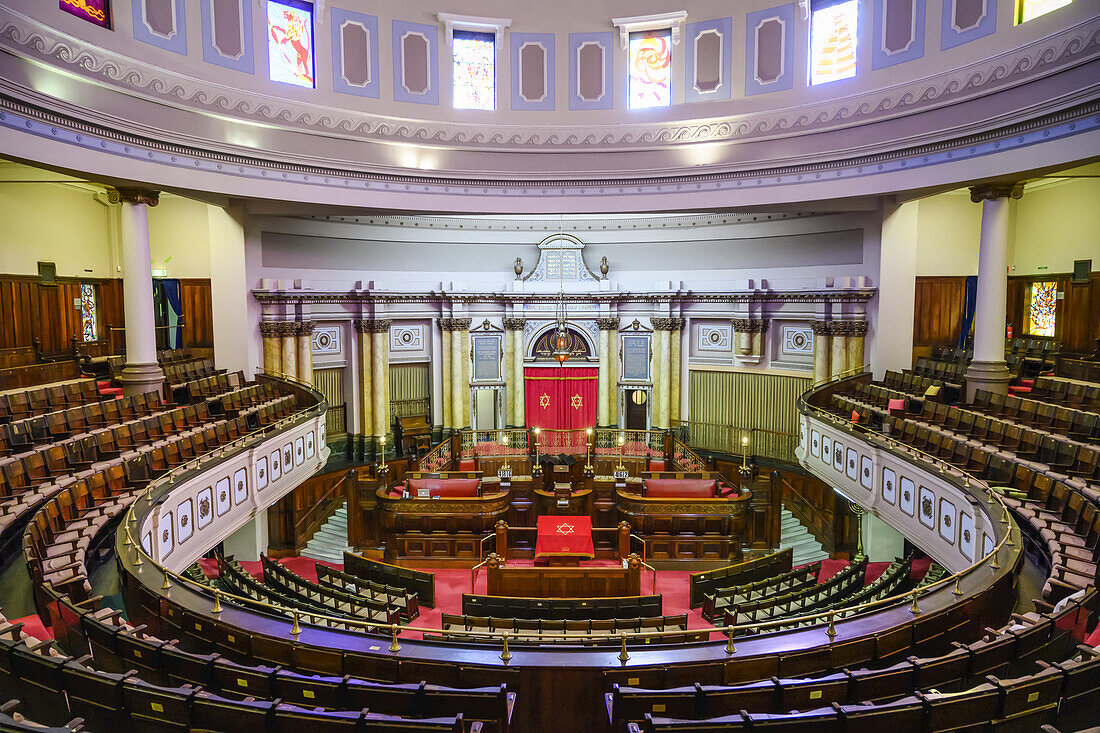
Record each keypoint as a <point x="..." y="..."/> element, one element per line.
<point x="560" y="399"/>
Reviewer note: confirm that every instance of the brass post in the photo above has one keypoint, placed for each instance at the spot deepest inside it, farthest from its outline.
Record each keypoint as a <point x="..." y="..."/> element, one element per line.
<point x="995" y="565"/>
<point x="166" y="585"/>
<point x="505" y="654"/>
<point x="729" y="643"/>
<point x="295" y="628"/>
<point x="914" y="609"/>
<point x="394" y="646"/>
<point x="831" y="631"/>
<point x="623" y="655"/>
<point x="957" y="590"/>
<point x="217" y="602"/>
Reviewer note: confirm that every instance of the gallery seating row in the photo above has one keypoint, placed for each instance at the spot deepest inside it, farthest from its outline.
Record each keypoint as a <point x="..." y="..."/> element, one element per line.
<point x="1030" y="647"/>
<point x="405" y="602"/>
<point x="559" y="627"/>
<point x="837" y="589"/>
<point x="1034" y="413"/>
<point x="415" y="582"/>
<point x="336" y="601"/>
<point x="1081" y="369"/>
<point x="714" y="604"/>
<point x="1066" y="392"/>
<point x="248" y="592"/>
<point x="940" y="369"/>
<point x="117" y="646"/>
<point x="55" y="688"/>
<point x="185" y="371"/>
<point x="197" y="390"/>
<point x="557" y="609"/>
<point x="21" y="403"/>
<point x="710" y="581"/>
<point x="915" y="385"/>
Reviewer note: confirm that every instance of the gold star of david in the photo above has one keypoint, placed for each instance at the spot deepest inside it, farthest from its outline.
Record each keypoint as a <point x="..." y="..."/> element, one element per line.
<point x="576" y="401"/>
<point x="565" y="528"/>
<point x="544" y="401"/>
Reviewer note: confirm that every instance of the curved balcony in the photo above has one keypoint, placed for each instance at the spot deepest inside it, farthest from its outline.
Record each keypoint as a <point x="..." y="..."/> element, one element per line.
<point x="978" y="591"/>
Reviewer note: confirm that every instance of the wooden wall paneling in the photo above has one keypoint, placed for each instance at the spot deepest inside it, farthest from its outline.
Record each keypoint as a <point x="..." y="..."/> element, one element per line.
<point x="198" y="313"/>
<point x="938" y="310"/>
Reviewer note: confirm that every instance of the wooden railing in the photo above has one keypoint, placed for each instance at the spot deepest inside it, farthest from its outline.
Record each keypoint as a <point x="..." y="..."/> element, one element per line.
<point x="295" y="518"/>
<point x="336" y="421"/>
<point x="728" y="439"/>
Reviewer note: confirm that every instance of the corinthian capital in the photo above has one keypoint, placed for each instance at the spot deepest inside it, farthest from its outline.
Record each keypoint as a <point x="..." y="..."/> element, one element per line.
<point x="136" y="196"/>
<point x="514" y="324"/>
<point x="607" y="324"/>
<point x="269" y="329"/>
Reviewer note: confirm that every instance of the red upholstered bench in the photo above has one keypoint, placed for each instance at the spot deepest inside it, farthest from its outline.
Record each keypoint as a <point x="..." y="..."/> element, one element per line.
<point x="450" y="487"/>
<point x="680" y="488"/>
<point x="467" y="464"/>
<point x="656" y="464"/>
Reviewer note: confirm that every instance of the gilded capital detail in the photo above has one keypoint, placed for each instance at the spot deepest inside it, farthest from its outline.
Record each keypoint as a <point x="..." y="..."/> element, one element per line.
<point x="461" y="324"/>
<point x="607" y="324"/>
<point x="750" y="325"/>
<point x="514" y="324"/>
<point x="821" y="328"/>
<point x="305" y="328"/>
<point x="993" y="191"/>
<point x="667" y="324"/>
<point x="362" y="326"/>
<point x="269" y="329"/>
<point x="857" y="328"/>
<point x="382" y="326"/>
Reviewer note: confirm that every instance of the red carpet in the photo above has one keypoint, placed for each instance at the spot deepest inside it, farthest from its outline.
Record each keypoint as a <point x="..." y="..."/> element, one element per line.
<point x="33" y="626"/>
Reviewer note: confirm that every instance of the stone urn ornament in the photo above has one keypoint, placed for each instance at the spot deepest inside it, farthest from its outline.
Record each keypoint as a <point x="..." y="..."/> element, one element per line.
<point x="604" y="267"/>
<point x="518" y="267"/>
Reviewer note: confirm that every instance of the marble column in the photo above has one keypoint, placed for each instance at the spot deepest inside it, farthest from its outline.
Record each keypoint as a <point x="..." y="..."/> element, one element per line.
<point x="857" y="333"/>
<point x="675" y="338"/>
<point x="288" y="332"/>
<point x="613" y="376"/>
<point x="273" y="346"/>
<point x="380" y="380"/>
<point x="822" y="347"/>
<point x="141" y="372"/>
<point x="759" y="331"/>
<point x="460" y="384"/>
<point x="514" y="369"/>
<point x="662" y="380"/>
<point x="987" y="370"/>
<point x="445" y="351"/>
<point x="467" y="413"/>
<point x="366" y="386"/>
<point x="839" y="330"/>
<point x="509" y="382"/>
<point x="305" y="352"/>
<point x="607" y="326"/>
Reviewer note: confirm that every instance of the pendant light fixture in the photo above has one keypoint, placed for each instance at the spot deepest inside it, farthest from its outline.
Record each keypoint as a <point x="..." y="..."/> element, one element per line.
<point x="561" y="338"/>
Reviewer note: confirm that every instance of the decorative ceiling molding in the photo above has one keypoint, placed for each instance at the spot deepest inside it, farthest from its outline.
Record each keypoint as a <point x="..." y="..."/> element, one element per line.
<point x="17" y="116"/>
<point x="452" y="22"/>
<point x="25" y="37"/>
<point x="573" y="225"/>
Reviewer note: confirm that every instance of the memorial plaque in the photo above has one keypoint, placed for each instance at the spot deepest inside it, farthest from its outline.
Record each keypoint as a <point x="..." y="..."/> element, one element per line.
<point x="636" y="358"/>
<point x="486" y="358"/>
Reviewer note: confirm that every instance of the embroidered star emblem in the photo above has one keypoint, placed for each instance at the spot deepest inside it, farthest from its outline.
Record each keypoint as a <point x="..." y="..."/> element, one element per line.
<point x="576" y="402"/>
<point x="565" y="528"/>
<point x="544" y="401"/>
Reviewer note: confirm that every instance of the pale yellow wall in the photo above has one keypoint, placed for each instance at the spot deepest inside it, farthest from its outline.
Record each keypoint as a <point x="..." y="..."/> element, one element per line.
<point x="948" y="231"/>
<point x="1052" y="225"/>
<point x="53" y="223"/>
<point x="179" y="228"/>
<point x="1056" y="225"/>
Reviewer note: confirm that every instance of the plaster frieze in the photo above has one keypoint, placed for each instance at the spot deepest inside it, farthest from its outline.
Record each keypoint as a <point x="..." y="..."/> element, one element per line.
<point x="28" y="38"/>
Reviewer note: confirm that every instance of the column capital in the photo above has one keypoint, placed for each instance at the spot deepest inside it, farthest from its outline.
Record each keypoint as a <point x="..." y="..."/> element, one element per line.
<point x="269" y="329"/>
<point x="750" y="325"/>
<point x="821" y="328"/>
<point x="361" y="325"/>
<point x="133" y="196"/>
<point x="514" y="324"/>
<point x="461" y="324"/>
<point x="305" y="328"/>
<point x="379" y="326"/>
<point x="287" y="328"/>
<point x="993" y="191"/>
<point x="856" y="328"/>
<point x="607" y="324"/>
<point x="667" y="324"/>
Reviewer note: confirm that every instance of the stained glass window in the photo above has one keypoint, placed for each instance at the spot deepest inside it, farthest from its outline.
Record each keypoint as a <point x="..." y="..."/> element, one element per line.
<point x="93" y="11"/>
<point x="88" y="312"/>
<point x="650" y="69"/>
<point x="833" y="41"/>
<point x="290" y="42"/>
<point x="1041" y="310"/>
<point x="1029" y="9"/>
<point x="474" y="70"/>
